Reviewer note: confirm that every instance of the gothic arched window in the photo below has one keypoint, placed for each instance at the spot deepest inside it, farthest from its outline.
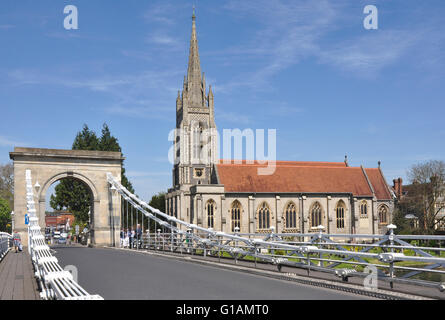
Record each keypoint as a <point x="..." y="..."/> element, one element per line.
<point x="211" y="205"/>
<point x="363" y="209"/>
<point x="290" y="216"/>
<point x="263" y="217"/>
<point x="236" y="215"/>
<point x="383" y="214"/>
<point x="340" y="212"/>
<point x="316" y="215"/>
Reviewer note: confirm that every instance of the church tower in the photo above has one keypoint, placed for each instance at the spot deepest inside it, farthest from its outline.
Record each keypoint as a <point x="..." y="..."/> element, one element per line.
<point x="195" y="143"/>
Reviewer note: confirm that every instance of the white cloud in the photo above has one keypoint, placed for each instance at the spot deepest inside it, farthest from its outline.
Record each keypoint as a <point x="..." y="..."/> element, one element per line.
<point x="371" y="52"/>
<point x="290" y="31"/>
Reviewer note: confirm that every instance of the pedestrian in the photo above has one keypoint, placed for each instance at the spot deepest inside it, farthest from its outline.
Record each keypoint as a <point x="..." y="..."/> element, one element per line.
<point x="126" y="239"/>
<point x="122" y="237"/>
<point x="129" y="237"/>
<point x="17" y="241"/>
<point x="138" y="235"/>
<point x="132" y="238"/>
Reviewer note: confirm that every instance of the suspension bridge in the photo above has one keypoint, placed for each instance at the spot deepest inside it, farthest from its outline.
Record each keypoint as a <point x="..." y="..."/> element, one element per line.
<point x="181" y="260"/>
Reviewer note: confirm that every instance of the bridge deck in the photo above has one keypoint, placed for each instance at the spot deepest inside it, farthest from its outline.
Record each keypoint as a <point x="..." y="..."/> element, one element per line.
<point x="116" y="274"/>
<point x="17" y="280"/>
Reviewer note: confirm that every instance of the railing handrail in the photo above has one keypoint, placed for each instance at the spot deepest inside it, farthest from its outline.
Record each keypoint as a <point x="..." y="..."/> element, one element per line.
<point x="56" y="283"/>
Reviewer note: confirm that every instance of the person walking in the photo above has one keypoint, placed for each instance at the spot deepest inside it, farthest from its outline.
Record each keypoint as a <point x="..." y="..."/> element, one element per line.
<point x="132" y="238"/>
<point x="17" y="241"/>
<point x="126" y="239"/>
<point x="138" y="235"/>
<point x="122" y="237"/>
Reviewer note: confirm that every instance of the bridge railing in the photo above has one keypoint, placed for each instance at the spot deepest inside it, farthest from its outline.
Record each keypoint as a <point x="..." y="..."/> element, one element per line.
<point x="5" y="244"/>
<point x="54" y="281"/>
<point x="393" y="259"/>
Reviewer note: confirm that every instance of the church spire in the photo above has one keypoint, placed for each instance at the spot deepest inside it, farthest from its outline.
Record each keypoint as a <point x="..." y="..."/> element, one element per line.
<point x="194" y="82"/>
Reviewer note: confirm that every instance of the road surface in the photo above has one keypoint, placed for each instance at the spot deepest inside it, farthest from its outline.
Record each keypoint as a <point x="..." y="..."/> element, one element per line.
<point x="117" y="274"/>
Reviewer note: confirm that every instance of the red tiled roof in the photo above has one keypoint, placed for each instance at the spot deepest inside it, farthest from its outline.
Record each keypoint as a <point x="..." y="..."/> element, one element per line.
<point x="299" y="177"/>
<point x="378" y="183"/>
<point x="290" y="163"/>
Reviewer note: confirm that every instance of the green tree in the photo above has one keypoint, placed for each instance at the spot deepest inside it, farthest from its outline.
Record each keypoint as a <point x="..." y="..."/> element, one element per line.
<point x="5" y="216"/>
<point x="7" y="183"/>
<point x="86" y="140"/>
<point x="74" y="195"/>
<point x="403" y="224"/>
<point x="157" y="201"/>
<point x="107" y="142"/>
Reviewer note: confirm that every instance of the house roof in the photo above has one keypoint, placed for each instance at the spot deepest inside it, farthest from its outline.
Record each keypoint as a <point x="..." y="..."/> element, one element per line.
<point x="302" y="177"/>
<point x="379" y="184"/>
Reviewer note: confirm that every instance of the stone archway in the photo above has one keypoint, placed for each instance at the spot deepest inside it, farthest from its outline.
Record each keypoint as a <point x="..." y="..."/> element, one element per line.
<point x="51" y="165"/>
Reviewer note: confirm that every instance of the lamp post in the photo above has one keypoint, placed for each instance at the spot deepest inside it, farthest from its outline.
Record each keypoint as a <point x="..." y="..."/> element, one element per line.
<point x="113" y="193"/>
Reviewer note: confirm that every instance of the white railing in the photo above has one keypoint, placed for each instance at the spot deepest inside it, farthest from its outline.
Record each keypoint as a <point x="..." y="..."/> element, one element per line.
<point x="55" y="282"/>
<point x="5" y="244"/>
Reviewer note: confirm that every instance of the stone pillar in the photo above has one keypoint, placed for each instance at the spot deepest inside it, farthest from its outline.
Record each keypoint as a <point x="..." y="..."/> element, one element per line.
<point x="223" y="220"/>
<point x="277" y="215"/>
<point x="304" y="217"/>
<point x="329" y="219"/>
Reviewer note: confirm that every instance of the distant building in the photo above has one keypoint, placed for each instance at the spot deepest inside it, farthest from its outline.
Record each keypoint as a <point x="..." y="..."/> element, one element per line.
<point x="407" y="194"/>
<point x="59" y="219"/>
<point x="297" y="197"/>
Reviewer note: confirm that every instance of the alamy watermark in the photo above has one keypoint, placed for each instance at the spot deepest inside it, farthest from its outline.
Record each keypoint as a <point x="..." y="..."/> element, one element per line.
<point x="74" y="272"/>
<point x="371" y="21"/>
<point x="202" y="145"/>
<point x="71" y="21"/>
<point x="370" y="281"/>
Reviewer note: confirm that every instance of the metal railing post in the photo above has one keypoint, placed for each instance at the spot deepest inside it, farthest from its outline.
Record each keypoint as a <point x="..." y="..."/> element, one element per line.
<point x="391" y="228"/>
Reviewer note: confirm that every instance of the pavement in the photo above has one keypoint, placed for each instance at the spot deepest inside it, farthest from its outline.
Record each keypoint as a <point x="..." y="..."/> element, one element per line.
<point x="17" y="281"/>
<point x="124" y="274"/>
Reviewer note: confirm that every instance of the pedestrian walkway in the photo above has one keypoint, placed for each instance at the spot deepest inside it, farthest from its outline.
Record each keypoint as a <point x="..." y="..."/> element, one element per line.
<point x="17" y="281"/>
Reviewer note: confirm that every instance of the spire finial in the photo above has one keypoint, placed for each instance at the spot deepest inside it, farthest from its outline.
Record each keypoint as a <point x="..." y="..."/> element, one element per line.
<point x="193" y="16"/>
<point x="194" y="77"/>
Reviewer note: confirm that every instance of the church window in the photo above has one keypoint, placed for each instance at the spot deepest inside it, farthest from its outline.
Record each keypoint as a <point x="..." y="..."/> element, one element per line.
<point x="236" y="215"/>
<point x="383" y="214"/>
<point x="210" y="213"/>
<point x="290" y="216"/>
<point x="316" y="215"/>
<point x="340" y="212"/>
<point x="363" y="209"/>
<point x="263" y="217"/>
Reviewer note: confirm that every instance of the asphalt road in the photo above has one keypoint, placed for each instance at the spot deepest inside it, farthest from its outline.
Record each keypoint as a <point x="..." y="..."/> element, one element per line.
<point x="116" y="274"/>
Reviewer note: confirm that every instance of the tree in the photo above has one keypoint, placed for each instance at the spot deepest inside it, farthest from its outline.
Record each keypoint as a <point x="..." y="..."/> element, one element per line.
<point x="403" y="225"/>
<point x="7" y="183"/>
<point x="86" y="140"/>
<point x="109" y="143"/>
<point x="157" y="201"/>
<point x="427" y="193"/>
<point x="5" y="216"/>
<point x="74" y="195"/>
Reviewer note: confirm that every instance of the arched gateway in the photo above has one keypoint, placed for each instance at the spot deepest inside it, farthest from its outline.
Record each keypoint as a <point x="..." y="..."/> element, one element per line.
<point x="51" y="165"/>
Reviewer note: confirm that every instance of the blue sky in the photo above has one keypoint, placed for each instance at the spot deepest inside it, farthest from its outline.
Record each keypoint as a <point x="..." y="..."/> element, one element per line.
<point x="306" y="68"/>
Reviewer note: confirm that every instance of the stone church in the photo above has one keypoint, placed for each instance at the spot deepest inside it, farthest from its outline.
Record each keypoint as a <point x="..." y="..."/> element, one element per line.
<point x="297" y="197"/>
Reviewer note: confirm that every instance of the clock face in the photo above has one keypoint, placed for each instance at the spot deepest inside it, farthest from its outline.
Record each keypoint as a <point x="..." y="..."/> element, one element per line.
<point x="199" y="173"/>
